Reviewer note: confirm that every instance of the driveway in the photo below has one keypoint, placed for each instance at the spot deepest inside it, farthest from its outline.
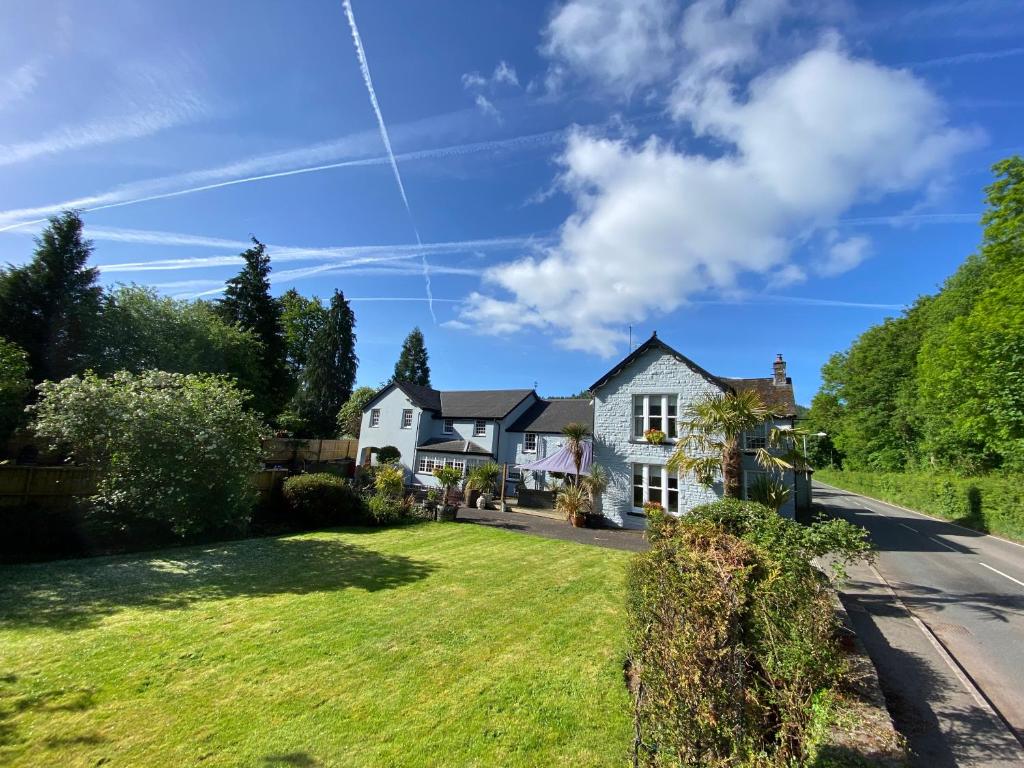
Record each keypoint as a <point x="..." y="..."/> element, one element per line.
<point x="613" y="538"/>
<point x="942" y="616"/>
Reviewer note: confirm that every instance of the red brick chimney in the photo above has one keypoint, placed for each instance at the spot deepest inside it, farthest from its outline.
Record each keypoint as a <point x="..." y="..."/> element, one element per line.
<point x="779" y="367"/>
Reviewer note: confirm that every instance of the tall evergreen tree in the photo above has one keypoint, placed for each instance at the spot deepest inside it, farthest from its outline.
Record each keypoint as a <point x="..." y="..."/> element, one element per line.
<point x="330" y="371"/>
<point x="412" y="365"/>
<point x="247" y="301"/>
<point x="50" y="306"/>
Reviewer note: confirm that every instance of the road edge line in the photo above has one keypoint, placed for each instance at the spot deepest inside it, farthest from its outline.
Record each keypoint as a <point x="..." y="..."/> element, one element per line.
<point x="961" y="674"/>
<point x="922" y="514"/>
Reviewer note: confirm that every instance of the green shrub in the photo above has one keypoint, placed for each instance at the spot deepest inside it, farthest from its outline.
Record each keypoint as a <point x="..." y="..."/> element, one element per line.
<point x="172" y="450"/>
<point x="989" y="503"/>
<point x="386" y="509"/>
<point x="731" y="632"/>
<point x="322" y="499"/>
<point x="388" y="454"/>
<point x="389" y="481"/>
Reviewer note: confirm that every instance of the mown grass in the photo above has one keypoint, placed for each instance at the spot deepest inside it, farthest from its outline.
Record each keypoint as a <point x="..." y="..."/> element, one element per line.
<point x="434" y="644"/>
<point x="990" y="504"/>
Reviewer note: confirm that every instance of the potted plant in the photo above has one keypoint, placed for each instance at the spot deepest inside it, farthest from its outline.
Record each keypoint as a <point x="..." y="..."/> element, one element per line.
<point x="573" y="502"/>
<point x="596" y="483"/>
<point x="448" y="477"/>
<point x="483" y="478"/>
<point x="654" y="436"/>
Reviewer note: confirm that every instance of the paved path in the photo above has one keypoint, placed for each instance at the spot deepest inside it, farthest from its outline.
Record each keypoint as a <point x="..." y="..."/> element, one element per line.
<point x="633" y="541"/>
<point x="942" y="616"/>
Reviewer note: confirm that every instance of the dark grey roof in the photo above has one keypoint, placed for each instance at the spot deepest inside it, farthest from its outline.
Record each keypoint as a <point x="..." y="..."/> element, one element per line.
<point x="481" y="404"/>
<point x="425" y="397"/>
<point x="440" y="445"/>
<point x="779" y="398"/>
<point x="552" y="415"/>
<point x="655" y="343"/>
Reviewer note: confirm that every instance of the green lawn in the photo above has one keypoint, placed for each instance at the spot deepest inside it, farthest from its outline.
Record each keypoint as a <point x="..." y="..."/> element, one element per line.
<point x="435" y="644"/>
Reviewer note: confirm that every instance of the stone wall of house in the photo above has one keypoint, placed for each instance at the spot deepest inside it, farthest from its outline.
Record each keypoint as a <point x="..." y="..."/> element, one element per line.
<point x="654" y="373"/>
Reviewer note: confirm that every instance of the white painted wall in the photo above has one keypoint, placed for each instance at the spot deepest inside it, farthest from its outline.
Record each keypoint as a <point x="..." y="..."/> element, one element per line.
<point x="652" y="373"/>
<point x="390" y="431"/>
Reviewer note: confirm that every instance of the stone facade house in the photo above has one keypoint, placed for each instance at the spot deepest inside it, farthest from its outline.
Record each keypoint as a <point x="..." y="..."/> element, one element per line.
<point x="652" y="387"/>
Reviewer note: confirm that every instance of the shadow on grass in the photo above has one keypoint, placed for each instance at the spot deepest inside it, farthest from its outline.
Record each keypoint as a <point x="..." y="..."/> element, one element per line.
<point x="77" y="594"/>
<point x="58" y="700"/>
<point x="295" y="759"/>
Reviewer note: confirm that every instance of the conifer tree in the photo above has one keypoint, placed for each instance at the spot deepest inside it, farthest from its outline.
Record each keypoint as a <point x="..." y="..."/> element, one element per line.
<point x="330" y="371"/>
<point x="413" y="363"/>
<point x="51" y="306"/>
<point x="247" y="301"/>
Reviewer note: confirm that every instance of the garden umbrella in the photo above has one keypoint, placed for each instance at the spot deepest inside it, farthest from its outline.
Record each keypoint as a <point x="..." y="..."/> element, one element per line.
<point x="562" y="461"/>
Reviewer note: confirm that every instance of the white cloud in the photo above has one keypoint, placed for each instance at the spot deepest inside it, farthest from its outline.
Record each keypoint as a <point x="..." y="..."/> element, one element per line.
<point x="19" y="84"/>
<point x="843" y="255"/>
<point x="486" y="106"/>
<point x="619" y="44"/>
<point x="655" y="225"/>
<point x="504" y="74"/>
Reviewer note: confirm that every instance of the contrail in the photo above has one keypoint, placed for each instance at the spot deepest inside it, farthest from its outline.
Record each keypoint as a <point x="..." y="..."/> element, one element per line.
<point x="364" y="67"/>
<point x="115" y="198"/>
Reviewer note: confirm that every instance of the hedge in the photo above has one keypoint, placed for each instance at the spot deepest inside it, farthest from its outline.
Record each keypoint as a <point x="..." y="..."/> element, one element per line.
<point x="322" y="499"/>
<point x="989" y="503"/>
<point x="731" y="633"/>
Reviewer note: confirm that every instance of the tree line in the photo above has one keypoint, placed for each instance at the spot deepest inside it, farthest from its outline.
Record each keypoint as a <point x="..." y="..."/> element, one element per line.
<point x="942" y="386"/>
<point x="293" y="357"/>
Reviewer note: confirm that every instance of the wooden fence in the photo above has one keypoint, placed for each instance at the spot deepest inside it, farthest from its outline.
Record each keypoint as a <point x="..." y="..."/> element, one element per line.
<point x="284" y="450"/>
<point x="57" y="486"/>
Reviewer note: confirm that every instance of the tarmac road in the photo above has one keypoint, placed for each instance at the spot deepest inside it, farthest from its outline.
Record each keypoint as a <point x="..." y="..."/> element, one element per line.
<point x="942" y="616"/>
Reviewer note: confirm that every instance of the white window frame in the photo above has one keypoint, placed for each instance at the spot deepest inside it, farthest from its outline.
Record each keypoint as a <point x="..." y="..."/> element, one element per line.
<point x="425" y="465"/>
<point x="667" y="420"/>
<point x="407" y="417"/>
<point x="527" y="448"/>
<point x="448" y="427"/>
<point x="375" y="417"/>
<point x="480" y="428"/>
<point x="668" y="496"/>
<point x="756" y="437"/>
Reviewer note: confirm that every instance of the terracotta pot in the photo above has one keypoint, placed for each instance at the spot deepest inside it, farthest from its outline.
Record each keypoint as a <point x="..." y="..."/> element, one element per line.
<point x="578" y="521"/>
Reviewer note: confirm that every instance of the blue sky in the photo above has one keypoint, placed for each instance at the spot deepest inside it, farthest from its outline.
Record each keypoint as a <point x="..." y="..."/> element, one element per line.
<point x="745" y="177"/>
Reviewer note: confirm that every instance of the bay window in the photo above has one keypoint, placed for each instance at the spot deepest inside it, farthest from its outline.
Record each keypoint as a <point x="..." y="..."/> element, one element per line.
<point x="655" y="412"/>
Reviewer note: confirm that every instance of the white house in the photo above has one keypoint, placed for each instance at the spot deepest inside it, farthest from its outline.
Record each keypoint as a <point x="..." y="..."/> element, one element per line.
<point x="650" y="388"/>
<point x="433" y="428"/>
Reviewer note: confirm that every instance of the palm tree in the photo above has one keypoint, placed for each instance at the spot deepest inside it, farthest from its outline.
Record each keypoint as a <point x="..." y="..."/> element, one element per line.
<point x="710" y="434"/>
<point x="575" y="435"/>
<point x="596" y="483"/>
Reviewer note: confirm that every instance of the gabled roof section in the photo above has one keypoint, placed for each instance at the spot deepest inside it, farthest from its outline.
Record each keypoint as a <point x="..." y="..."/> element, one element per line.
<point x="655" y="343"/>
<point x="440" y="445"/>
<point x="423" y="397"/>
<point x="779" y="398"/>
<point x="551" y="415"/>
<point x="481" y="404"/>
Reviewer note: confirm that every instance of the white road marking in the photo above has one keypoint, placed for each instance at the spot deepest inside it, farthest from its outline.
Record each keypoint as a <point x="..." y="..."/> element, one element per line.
<point x="947" y="546"/>
<point x="971" y="531"/>
<point x="908" y="527"/>
<point x="1004" y="575"/>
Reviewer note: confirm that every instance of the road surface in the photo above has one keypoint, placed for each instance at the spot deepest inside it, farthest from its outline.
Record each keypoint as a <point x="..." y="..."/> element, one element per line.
<point x="942" y="616"/>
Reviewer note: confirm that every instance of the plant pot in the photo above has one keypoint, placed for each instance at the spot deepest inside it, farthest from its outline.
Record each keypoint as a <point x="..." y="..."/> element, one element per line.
<point x="447" y="514"/>
<point x="578" y="521"/>
<point x="472" y="494"/>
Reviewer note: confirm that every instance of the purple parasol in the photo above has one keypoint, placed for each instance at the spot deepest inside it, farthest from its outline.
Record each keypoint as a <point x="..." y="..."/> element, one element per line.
<point x="562" y="461"/>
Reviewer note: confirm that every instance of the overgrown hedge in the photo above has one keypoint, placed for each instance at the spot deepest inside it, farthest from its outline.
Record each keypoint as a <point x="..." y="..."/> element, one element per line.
<point x="732" y="636"/>
<point x="990" y="503"/>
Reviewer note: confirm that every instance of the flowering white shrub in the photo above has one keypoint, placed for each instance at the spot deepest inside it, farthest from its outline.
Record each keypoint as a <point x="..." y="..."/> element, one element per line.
<point x="177" y="449"/>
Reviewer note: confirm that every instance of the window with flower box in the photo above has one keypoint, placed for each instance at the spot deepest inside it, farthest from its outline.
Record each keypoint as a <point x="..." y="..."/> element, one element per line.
<point x="655" y="483"/>
<point x="659" y="412"/>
